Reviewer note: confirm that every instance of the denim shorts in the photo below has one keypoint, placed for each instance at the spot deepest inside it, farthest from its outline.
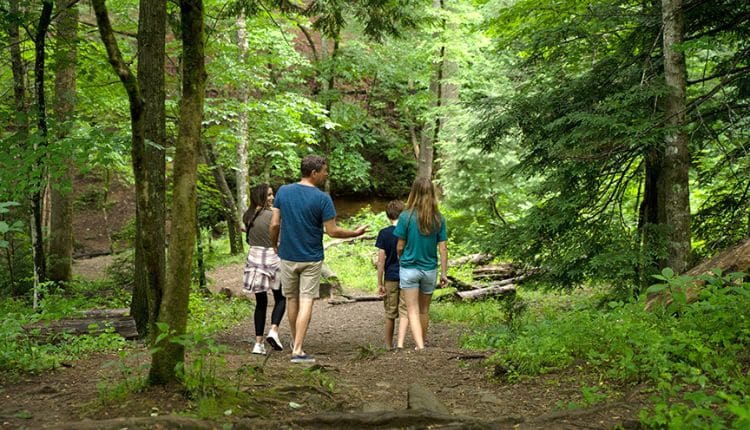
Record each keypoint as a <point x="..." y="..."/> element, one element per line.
<point x="413" y="278"/>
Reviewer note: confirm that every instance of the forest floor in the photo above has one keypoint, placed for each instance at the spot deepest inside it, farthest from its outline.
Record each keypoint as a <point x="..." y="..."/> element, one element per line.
<point x="353" y="384"/>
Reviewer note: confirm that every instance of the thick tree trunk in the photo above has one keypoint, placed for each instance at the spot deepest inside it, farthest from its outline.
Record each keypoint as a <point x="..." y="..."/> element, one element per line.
<point x="149" y="168"/>
<point x="61" y="197"/>
<point x="37" y="238"/>
<point x="242" y="163"/>
<point x="652" y="241"/>
<point x="174" y="306"/>
<point x="674" y="187"/>
<point x="229" y="206"/>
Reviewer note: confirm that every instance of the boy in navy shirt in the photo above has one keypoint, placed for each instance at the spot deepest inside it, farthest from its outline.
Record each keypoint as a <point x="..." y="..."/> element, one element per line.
<point x="388" y="279"/>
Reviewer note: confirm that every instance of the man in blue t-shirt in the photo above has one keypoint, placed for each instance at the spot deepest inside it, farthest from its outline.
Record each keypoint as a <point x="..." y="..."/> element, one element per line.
<point x="301" y="213"/>
<point x="388" y="269"/>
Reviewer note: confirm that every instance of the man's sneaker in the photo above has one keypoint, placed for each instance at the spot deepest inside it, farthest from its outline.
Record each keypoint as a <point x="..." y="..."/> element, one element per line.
<point x="304" y="358"/>
<point x="259" y="348"/>
<point x="274" y="341"/>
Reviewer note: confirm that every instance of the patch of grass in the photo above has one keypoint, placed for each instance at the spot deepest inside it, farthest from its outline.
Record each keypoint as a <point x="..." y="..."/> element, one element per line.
<point x="211" y="314"/>
<point x="217" y="252"/>
<point x="353" y="264"/>
<point x="130" y="378"/>
<point x="369" y="352"/>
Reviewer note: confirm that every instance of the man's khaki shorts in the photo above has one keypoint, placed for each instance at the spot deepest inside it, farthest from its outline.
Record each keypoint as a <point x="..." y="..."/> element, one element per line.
<point x="393" y="302"/>
<point x="301" y="279"/>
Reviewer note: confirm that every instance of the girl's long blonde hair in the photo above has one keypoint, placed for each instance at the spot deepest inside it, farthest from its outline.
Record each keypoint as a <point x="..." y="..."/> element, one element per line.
<point x="422" y="202"/>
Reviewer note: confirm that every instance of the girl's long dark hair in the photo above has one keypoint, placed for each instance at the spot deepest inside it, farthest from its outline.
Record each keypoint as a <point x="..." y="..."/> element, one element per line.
<point x="258" y="202"/>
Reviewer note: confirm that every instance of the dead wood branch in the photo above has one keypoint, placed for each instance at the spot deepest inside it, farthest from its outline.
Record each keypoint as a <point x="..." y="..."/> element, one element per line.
<point x="345" y="299"/>
<point x="475" y="259"/>
<point x="495" y="271"/>
<point x="734" y="259"/>
<point x="484" y="293"/>
<point x="336" y="242"/>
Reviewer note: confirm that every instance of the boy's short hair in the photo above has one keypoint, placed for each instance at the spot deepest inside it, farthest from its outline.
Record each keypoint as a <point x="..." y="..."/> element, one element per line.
<point x="394" y="209"/>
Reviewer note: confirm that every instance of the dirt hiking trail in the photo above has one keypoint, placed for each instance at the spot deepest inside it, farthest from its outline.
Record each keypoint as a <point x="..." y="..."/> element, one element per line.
<point x="353" y="384"/>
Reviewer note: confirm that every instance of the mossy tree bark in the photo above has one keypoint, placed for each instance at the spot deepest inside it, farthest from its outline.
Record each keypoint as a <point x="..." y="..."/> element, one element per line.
<point x="674" y="187"/>
<point x="20" y="120"/>
<point x="174" y="306"/>
<point x="61" y="197"/>
<point x="149" y="168"/>
<point x="38" y="174"/>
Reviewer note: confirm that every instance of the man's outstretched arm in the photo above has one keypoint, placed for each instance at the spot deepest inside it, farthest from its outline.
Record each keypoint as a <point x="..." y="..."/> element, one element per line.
<point x="334" y="230"/>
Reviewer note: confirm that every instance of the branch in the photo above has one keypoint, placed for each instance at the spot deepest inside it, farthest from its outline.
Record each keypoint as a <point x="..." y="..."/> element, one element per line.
<point x="115" y="57"/>
<point x="310" y="42"/>
<point x="120" y="32"/>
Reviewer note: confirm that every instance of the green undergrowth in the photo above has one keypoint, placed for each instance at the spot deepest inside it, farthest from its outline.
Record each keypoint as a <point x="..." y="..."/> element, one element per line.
<point x="693" y="356"/>
<point x="24" y="351"/>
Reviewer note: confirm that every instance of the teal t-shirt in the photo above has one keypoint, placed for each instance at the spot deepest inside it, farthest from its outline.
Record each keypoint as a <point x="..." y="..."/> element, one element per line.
<point x="420" y="251"/>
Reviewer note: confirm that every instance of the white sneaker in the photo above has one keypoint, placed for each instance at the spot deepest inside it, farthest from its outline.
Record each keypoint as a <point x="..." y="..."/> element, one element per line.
<point x="259" y="348"/>
<point x="274" y="341"/>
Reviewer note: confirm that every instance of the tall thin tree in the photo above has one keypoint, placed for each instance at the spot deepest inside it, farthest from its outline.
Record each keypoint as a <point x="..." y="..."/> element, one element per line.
<point x="242" y="128"/>
<point x="674" y="187"/>
<point x="61" y="201"/>
<point x="38" y="174"/>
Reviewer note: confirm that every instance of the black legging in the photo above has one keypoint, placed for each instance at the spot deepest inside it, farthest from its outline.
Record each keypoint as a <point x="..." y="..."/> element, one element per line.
<point x="261" y="303"/>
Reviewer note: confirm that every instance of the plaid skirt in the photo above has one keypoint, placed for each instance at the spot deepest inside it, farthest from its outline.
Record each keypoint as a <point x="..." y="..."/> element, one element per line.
<point x="261" y="270"/>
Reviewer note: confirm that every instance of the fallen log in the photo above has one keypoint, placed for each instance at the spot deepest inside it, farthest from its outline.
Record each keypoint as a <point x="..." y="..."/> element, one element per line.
<point x="474" y="259"/>
<point x="493" y="291"/>
<point x="93" y="322"/>
<point x="461" y="285"/>
<point x="496" y="271"/>
<point x="734" y="259"/>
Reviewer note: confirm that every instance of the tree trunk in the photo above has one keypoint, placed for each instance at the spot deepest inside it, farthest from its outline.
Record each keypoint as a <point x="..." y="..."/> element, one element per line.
<point x="21" y="116"/>
<point x="242" y="163"/>
<point x="652" y="241"/>
<point x="61" y="196"/>
<point x="674" y="188"/>
<point x="19" y="82"/>
<point x="149" y="169"/>
<point x="229" y="206"/>
<point x="174" y="306"/>
<point x="38" y="175"/>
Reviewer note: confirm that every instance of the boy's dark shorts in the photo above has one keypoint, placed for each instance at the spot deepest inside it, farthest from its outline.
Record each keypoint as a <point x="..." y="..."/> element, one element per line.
<point x="393" y="302"/>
